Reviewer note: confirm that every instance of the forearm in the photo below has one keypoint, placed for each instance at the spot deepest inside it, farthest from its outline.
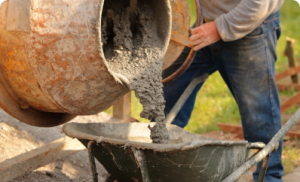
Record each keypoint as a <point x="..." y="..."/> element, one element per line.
<point x="245" y="17"/>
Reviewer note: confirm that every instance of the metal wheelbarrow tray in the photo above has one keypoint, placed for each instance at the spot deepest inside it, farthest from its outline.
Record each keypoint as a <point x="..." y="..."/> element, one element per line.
<point x="126" y="152"/>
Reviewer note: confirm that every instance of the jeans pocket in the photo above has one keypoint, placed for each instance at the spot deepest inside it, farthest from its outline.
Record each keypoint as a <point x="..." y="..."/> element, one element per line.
<point x="256" y="33"/>
<point x="278" y="32"/>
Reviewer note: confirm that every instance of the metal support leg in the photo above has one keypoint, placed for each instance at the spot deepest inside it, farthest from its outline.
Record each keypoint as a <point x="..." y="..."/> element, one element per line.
<point x="122" y="109"/>
<point x="141" y="160"/>
<point x="263" y="169"/>
<point x="92" y="161"/>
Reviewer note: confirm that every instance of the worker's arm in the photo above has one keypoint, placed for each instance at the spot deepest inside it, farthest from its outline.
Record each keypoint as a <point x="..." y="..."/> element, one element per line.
<point x="237" y="23"/>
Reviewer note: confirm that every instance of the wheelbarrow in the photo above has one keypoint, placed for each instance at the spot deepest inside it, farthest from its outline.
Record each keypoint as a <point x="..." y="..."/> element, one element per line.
<point x="126" y="151"/>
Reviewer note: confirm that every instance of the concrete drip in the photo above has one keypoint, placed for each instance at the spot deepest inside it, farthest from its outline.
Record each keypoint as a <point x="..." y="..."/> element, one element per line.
<point x="134" y="56"/>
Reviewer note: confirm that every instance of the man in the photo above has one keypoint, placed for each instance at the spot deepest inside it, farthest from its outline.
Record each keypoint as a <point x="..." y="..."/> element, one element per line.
<point x="239" y="40"/>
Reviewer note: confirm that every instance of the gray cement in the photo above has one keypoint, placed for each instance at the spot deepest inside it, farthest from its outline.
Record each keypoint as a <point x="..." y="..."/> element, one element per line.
<point x="135" y="54"/>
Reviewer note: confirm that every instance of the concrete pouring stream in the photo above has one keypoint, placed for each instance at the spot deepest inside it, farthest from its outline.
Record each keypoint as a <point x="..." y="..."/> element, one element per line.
<point x="134" y="54"/>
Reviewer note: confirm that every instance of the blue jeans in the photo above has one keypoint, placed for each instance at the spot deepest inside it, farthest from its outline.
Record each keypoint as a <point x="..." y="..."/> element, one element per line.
<point x="247" y="67"/>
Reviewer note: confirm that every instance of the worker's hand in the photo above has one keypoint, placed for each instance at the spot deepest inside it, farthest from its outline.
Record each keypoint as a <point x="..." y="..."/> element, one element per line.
<point x="204" y="35"/>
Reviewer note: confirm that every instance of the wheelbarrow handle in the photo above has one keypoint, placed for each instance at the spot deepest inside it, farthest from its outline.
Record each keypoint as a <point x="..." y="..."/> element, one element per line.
<point x="256" y="145"/>
<point x="270" y="147"/>
<point x="192" y="53"/>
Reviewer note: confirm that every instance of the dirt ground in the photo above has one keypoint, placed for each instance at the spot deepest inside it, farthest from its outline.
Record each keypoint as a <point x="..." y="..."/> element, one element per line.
<point x="17" y="138"/>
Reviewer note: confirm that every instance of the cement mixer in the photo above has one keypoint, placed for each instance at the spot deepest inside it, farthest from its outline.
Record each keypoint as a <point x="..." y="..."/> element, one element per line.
<point x="52" y="63"/>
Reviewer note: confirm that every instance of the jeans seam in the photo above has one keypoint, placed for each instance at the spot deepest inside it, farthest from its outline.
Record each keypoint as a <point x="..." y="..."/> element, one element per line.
<point x="273" y="19"/>
<point x="269" y="80"/>
<point x="255" y="37"/>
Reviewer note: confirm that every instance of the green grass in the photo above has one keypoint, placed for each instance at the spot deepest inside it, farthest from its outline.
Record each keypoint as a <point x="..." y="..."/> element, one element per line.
<point x="192" y="11"/>
<point x="290" y="159"/>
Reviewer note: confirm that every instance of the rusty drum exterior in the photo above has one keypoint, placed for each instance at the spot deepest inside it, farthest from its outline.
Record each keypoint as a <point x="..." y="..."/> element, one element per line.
<point x="180" y="31"/>
<point x="50" y="68"/>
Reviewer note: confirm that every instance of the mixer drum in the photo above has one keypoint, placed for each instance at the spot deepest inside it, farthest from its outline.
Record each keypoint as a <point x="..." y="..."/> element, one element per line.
<point x="52" y="65"/>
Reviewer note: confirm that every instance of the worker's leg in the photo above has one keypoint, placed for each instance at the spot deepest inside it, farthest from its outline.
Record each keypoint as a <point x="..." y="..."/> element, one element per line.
<point x="247" y="66"/>
<point x="172" y="91"/>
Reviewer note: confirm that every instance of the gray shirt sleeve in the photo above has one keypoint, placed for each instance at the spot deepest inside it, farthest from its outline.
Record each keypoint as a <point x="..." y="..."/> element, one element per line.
<point x="245" y="17"/>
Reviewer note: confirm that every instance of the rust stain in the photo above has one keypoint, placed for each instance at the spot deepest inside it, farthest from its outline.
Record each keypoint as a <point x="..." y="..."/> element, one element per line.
<point x="180" y="31"/>
<point x="134" y="179"/>
<point x="15" y="69"/>
<point x="179" y="6"/>
<point x="39" y="23"/>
